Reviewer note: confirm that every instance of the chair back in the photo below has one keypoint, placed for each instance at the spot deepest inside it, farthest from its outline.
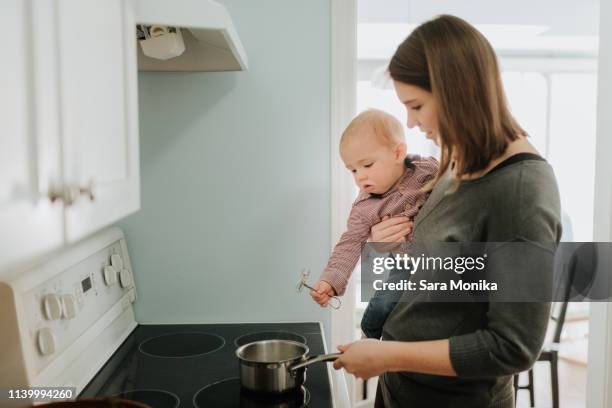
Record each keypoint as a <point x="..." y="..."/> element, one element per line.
<point x="579" y="274"/>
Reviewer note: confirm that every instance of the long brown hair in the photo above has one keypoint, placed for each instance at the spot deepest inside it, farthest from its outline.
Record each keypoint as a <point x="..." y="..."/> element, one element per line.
<point x="451" y="59"/>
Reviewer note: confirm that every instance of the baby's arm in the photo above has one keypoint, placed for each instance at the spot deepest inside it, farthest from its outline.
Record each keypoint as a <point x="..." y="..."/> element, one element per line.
<point x="347" y="251"/>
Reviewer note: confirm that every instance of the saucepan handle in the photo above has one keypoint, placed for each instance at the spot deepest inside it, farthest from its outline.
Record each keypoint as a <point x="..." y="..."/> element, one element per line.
<point x="315" y="359"/>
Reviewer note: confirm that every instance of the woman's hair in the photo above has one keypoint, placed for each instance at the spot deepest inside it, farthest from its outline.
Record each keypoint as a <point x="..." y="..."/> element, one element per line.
<point x="379" y="124"/>
<point x="451" y="59"/>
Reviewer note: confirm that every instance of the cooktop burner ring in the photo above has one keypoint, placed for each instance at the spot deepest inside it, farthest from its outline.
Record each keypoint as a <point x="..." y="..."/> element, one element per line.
<point x="269" y="335"/>
<point x="253" y="399"/>
<point x="152" y="392"/>
<point x="181" y="345"/>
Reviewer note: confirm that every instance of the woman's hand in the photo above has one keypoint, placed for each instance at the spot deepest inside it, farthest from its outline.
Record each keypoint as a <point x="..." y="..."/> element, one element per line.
<point x="391" y="229"/>
<point x="369" y="358"/>
<point x="322" y="293"/>
<point x="362" y="358"/>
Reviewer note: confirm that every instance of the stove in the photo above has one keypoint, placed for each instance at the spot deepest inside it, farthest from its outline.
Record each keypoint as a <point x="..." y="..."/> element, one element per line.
<point x="194" y="365"/>
<point x="68" y="321"/>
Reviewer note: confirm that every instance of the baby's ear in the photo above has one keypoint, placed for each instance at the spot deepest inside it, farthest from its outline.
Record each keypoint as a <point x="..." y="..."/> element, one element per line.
<point x="400" y="151"/>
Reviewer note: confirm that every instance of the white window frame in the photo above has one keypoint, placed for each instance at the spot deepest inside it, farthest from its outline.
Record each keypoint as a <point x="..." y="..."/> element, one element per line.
<point x="343" y="102"/>
<point x="599" y="371"/>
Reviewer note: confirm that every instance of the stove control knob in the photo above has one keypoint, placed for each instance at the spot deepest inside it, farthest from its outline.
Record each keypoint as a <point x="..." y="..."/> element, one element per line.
<point x="132" y="295"/>
<point x="69" y="306"/>
<point x="110" y="275"/>
<point x="46" y="341"/>
<point x="52" y="306"/>
<point x="117" y="261"/>
<point x="125" y="277"/>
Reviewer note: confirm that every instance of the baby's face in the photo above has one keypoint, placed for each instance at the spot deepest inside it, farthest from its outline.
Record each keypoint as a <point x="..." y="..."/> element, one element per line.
<point x="375" y="166"/>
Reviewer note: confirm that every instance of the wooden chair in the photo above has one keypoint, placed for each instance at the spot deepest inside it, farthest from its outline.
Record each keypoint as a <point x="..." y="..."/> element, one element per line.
<point x="581" y="270"/>
<point x="550" y="353"/>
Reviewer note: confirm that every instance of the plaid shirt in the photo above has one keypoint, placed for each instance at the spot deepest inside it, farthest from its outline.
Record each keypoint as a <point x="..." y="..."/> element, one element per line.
<point x="405" y="198"/>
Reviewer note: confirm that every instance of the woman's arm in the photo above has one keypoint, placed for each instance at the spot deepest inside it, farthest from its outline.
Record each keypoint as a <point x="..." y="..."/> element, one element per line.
<point x="369" y="358"/>
<point x="429" y="357"/>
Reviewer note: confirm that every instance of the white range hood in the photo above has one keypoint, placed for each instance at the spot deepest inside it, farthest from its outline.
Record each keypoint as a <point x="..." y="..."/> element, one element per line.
<point x="211" y="41"/>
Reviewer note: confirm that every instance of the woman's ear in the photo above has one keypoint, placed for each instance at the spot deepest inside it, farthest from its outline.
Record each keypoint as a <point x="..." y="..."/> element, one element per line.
<point x="400" y="151"/>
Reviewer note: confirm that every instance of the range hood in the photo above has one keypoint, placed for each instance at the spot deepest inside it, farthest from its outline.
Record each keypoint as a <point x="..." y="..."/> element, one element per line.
<point x="211" y="41"/>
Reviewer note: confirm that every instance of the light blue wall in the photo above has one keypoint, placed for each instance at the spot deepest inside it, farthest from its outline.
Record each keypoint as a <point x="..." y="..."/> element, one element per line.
<point x="235" y="176"/>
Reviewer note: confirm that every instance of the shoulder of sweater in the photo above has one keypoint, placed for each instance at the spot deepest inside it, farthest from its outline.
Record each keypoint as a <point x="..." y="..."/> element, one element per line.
<point x="527" y="193"/>
<point x="517" y="187"/>
<point x="527" y="171"/>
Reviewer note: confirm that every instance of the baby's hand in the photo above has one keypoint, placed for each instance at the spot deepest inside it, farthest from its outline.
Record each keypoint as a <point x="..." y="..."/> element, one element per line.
<point x="322" y="293"/>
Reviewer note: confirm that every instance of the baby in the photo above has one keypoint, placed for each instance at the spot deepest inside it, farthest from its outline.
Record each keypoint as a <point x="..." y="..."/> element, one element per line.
<point x="373" y="148"/>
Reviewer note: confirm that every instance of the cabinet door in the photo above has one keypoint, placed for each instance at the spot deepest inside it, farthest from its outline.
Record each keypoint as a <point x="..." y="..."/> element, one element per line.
<point x="29" y="146"/>
<point x="98" y="75"/>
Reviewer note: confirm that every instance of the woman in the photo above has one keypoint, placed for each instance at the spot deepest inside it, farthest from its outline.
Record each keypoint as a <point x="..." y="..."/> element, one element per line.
<point x="492" y="186"/>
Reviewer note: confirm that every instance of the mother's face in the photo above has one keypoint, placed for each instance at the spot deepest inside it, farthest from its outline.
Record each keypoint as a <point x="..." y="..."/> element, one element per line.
<point x="421" y="108"/>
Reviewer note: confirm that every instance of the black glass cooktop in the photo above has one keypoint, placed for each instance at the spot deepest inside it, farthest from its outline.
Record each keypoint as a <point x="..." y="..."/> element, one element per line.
<point x="228" y="393"/>
<point x="153" y="398"/>
<point x="269" y="335"/>
<point x="178" y="345"/>
<point x="172" y="366"/>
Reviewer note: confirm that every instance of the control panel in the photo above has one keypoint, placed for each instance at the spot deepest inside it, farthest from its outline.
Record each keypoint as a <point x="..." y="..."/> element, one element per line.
<point x="60" y="302"/>
<point x="61" y="308"/>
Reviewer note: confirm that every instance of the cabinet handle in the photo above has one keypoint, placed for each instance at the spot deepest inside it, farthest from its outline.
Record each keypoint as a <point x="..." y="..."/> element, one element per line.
<point x="69" y="194"/>
<point x="62" y="193"/>
<point x="88" y="191"/>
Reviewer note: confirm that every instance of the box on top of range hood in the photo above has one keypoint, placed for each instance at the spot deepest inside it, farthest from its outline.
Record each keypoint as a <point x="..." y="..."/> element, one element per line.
<point x="211" y="41"/>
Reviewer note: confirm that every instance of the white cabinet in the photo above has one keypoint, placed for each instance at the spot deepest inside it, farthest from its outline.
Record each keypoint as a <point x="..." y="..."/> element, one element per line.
<point x="29" y="160"/>
<point x="98" y="77"/>
<point x="69" y="121"/>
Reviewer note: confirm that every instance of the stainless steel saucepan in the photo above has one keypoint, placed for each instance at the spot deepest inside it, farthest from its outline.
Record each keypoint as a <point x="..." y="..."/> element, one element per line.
<point x="276" y="366"/>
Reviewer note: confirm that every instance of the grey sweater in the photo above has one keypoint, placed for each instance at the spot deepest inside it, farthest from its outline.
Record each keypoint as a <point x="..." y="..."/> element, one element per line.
<point x="489" y="342"/>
